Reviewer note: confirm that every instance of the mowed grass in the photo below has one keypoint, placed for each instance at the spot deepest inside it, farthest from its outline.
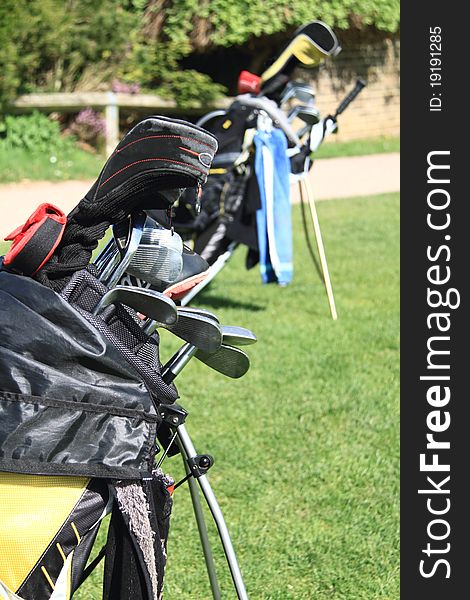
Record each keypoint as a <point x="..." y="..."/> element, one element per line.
<point x="306" y="445"/>
<point x="360" y="147"/>
<point x="18" y="164"/>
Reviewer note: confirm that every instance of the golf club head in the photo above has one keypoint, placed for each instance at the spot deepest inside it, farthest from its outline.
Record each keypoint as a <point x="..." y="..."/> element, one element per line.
<point x="190" y="310"/>
<point x="300" y="91"/>
<point x="200" y="331"/>
<point x="232" y="335"/>
<point x="227" y="360"/>
<point x="158" y="260"/>
<point x="127" y="237"/>
<point x="151" y="303"/>
<point x="310" y="115"/>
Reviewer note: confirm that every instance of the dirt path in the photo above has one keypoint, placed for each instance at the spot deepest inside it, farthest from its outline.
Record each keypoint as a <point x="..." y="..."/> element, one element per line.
<point x="331" y="178"/>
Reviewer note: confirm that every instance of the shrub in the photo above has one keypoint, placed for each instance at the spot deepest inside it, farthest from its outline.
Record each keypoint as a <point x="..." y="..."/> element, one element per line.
<point x="88" y="126"/>
<point x="35" y="133"/>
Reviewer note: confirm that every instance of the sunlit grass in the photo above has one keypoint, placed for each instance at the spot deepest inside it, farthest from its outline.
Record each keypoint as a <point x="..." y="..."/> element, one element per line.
<point x="306" y="444"/>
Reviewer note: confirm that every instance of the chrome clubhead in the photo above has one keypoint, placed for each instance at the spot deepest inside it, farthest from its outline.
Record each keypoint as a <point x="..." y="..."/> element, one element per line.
<point x="300" y="91"/>
<point x="159" y="258"/>
<point x="151" y="303"/>
<point x="118" y="254"/>
<point x="310" y="115"/>
<point x="233" y="335"/>
<point x="227" y="360"/>
<point x="190" y="310"/>
<point x="200" y="331"/>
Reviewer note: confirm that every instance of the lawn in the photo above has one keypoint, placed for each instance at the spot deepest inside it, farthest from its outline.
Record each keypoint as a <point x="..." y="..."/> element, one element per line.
<point x="379" y="145"/>
<point x="306" y="445"/>
<point x="18" y="164"/>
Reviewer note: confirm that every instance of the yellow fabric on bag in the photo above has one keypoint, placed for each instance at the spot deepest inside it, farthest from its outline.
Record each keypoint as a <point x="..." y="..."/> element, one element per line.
<point x="32" y="510"/>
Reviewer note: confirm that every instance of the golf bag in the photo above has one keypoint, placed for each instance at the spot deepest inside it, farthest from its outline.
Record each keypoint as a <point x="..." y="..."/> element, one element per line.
<point x="245" y="201"/>
<point x="231" y="196"/>
<point x="81" y="393"/>
<point x="79" y="420"/>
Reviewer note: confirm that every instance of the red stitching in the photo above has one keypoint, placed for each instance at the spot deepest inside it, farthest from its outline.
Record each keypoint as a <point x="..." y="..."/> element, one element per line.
<point x="149" y="160"/>
<point x="188" y="150"/>
<point x="150" y="137"/>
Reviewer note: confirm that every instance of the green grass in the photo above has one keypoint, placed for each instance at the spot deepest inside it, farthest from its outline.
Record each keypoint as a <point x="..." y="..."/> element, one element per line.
<point x="19" y="165"/>
<point x="306" y="445"/>
<point x="379" y="145"/>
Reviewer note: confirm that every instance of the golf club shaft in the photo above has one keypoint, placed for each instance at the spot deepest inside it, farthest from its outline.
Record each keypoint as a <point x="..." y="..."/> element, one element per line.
<point x="107" y="261"/>
<point x="177" y="362"/>
<point x="105" y="255"/>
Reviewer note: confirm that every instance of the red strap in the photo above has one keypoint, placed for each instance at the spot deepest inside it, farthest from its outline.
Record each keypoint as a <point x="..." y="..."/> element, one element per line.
<point x="35" y="241"/>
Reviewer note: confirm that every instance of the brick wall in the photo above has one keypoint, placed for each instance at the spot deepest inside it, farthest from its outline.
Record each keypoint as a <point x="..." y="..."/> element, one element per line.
<point x="375" y="59"/>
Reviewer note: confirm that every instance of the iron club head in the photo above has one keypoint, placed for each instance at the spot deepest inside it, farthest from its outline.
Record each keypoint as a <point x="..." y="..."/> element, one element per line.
<point x="198" y="330"/>
<point x="310" y="115"/>
<point x="197" y="311"/>
<point x="159" y="258"/>
<point x="149" y="302"/>
<point x="233" y="335"/>
<point x="231" y="362"/>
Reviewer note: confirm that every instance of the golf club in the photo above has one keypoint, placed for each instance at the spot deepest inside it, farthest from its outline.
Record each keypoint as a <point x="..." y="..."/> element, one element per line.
<point x="158" y="259"/>
<point x="310" y="115"/>
<point x="200" y="331"/>
<point x="299" y="91"/>
<point x="112" y="270"/>
<point x="151" y="303"/>
<point x="233" y="335"/>
<point x="227" y="360"/>
<point x="197" y="311"/>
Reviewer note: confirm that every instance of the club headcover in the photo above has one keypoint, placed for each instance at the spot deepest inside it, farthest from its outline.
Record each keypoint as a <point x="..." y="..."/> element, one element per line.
<point x="159" y="155"/>
<point x="150" y="167"/>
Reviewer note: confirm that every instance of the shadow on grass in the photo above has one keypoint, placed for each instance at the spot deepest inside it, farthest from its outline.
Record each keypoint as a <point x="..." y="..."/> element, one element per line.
<point x="220" y="302"/>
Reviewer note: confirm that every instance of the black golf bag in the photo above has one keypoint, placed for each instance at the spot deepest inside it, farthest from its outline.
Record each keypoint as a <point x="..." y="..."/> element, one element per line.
<point x="78" y="425"/>
<point x="231" y="197"/>
<point x="81" y="393"/>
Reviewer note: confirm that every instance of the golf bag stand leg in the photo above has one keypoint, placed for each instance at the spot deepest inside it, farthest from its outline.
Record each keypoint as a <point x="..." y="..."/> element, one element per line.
<point x="202" y="528"/>
<point x="304" y="184"/>
<point x="215" y="268"/>
<point x="189" y="452"/>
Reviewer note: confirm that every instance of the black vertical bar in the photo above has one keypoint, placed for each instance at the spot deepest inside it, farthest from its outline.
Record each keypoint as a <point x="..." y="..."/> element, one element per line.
<point x="435" y="252"/>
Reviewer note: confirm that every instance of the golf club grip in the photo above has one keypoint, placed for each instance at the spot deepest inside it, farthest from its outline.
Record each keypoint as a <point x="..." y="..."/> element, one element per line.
<point x="350" y="97"/>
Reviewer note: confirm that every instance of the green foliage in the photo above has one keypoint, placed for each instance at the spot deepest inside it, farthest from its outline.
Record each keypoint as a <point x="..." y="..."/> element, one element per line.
<point x="64" y="45"/>
<point x="35" y="133"/>
<point x="55" y="45"/>
<point x="191" y="88"/>
<point x="229" y="22"/>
